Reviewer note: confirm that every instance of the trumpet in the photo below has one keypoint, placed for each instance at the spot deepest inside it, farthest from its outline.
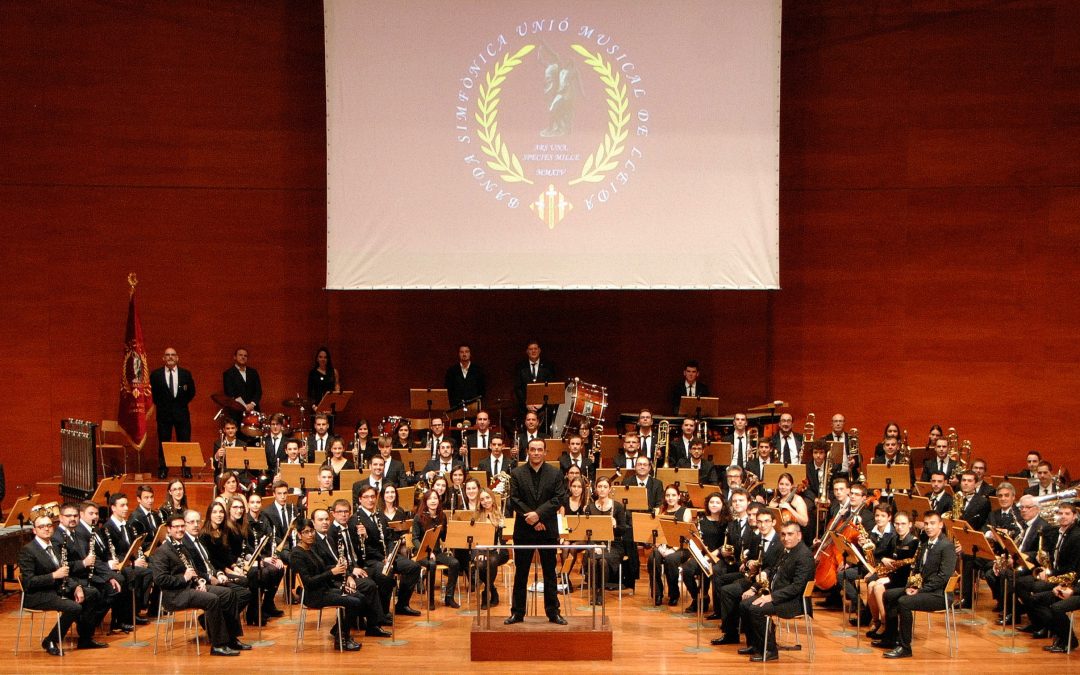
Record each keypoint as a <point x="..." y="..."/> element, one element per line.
<point x="662" y="440"/>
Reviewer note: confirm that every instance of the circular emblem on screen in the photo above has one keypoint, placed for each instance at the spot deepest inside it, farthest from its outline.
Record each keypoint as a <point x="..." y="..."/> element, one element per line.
<point x="551" y="122"/>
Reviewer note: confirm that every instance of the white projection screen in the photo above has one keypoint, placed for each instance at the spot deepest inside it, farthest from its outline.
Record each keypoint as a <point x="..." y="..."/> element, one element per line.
<point x="498" y="144"/>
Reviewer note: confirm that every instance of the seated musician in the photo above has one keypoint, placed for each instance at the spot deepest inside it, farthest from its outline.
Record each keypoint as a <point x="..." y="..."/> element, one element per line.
<point x="82" y="557"/>
<point x="679" y="447"/>
<point x="934" y="563"/>
<point x="488" y="563"/>
<point x="214" y="540"/>
<point x="892" y="570"/>
<point x="1060" y="556"/>
<point x="982" y="487"/>
<point x="264" y="575"/>
<point x="349" y="539"/>
<point x="576" y="498"/>
<point x="145" y="519"/>
<point x="393" y="512"/>
<point x="101" y="570"/>
<point x="497" y="462"/>
<point x="394" y="470"/>
<point x="228" y="439"/>
<point x="760" y="552"/>
<point x="375" y="479"/>
<point x="818" y="474"/>
<point x="626" y="457"/>
<point x="695" y="461"/>
<point x="363" y="446"/>
<point x="431" y="515"/>
<point x="227" y="486"/>
<point x="444" y="464"/>
<point x="615" y="552"/>
<point x="849" y="508"/>
<point x="182" y="588"/>
<point x="940" y="462"/>
<point x="277" y="517"/>
<point x="574" y="455"/>
<point x="736" y="479"/>
<point x="135" y="577"/>
<point x="849" y="463"/>
<point x="1044" y="480"/>
<point x="481" y="435"/>
<point x="45" y="569"/>
<point x="1031" y="467"/>
<point x="877" y="544"/>
<point x="531" y="432"/>
<point x="336" y="460"/>
<point x="379" y="540"/>
<point x="232" y="596"/>
<point x="756" y="466"/>
<point x="643" y="478"/>
<point x="788" y="576"/>
<point x="436" y="435"/>
<point x="933" y="435"/>
<point x="739" y="529"/>
<point x="175" y="500"/>
<point x="274" y="444"/>
<point x="403" y="435"/>
<point x="292" y="456"/>
<point x="973" y="509"/>
<point x="456" y="489"/>
<point x="712" y="524"/>
<point x="791" y="504"/>
<point x="324" y="577"/>
<point x="891" y="456"/>
<point x="892" y="430"/>
<point x="940" y="501"/>
<point x="647" y="434"/>
<point x="572" y="473"/>
<point x="1008" y="522"/>
<point x="669" y="557"/>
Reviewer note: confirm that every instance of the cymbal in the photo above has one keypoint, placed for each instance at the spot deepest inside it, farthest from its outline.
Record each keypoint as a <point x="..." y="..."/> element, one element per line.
<point x="226" y="402"/>
<point x="297" y="402"/>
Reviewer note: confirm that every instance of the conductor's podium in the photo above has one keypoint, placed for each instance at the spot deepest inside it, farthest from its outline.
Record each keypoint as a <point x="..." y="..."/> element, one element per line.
<point x="537" y="639"/>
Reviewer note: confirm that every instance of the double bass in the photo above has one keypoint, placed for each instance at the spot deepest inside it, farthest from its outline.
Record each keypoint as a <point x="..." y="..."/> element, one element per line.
<point x="829" y="558"/>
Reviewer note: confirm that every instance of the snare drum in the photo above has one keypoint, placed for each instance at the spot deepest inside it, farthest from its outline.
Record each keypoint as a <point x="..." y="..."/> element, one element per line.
<point x="251" y="424"/>
<point x="584" y="406"/>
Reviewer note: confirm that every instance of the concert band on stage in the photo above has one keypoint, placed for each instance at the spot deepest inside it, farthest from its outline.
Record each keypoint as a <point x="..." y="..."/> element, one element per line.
<point x="776" y="516"/>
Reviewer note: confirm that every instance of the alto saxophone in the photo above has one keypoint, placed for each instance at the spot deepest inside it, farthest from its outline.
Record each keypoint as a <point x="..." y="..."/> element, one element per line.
<point x="915" y="580"/>
<point x="1066" y="579"/>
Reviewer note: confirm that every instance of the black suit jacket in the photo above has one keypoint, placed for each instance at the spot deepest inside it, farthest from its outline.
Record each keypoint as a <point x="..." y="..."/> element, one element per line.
<point x="118" y="537"/>
<point x="794" y="569"/>
<point x="523" y="443"/>
<point x="76" y="551"/>
<point x="679" y="390"/>
<point x="1067" y="558"/>
<point x="314" y="567"/>
<point x="944" y="503"/>
<point x="930" y="466"/>
<point x="748" y="452"/>
<point x="464" y="389"/>
<point x="168" y="569"/>
<point x="678" y="450"/>
<point x="436" y="466"/>
<point x="545" y="372"/>
<point x="235" y="385"/>
<point x="275" y="452"/>
<point x="621" y="458"/>
<point x="36" y="568"/>
<point x="169" y="407"/>
<point x="797" y="438"/>
<point x="361" y="484"/>
<point x="939" y="566"/>
<point x="545" y="498"/>
<point x="650" y="450"/>
<point x="976" y="511"/>
<point x="506" y="464"/>
<point x="376" y="547"/>
<point x="101" y="551"/>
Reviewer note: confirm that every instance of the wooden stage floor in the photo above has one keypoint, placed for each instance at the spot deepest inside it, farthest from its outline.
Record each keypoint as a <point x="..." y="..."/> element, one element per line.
<point x="645" y="641"/>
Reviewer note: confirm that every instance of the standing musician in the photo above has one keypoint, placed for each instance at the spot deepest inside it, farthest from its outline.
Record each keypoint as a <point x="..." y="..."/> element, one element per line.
<point x="712" y="525"/>
<point x="690" y="385"/>
<point x="172" y="389"/>
<point x="668" y="557"/>
<point x="488" y="562"/>
<point x="45" y="569"/>
<point x="497" y="462"/>
<point x="934" y="564"/>
<point x="793" y="569"/>
<point x="613" y="555"/>
<point x="242" y="383"/>
<point x="760" y="553"/>
<point x="431" y="515"/>
<point x="326" y="583"/>
<point x="704" y="468"/>
<point x="373" y="528"/>
<point x="939" y="463"/>
<point x="464" y="381"/>
<point x="788" y="443"/>
<point x="574" y="455"/>
<point x="537" y="490"/>
<point x="531" y="370"/>
<point x="344" y="537"/>
<point x="892" y="572"/>
<point x="183" y="588"/>
<point x="740" y="442"/>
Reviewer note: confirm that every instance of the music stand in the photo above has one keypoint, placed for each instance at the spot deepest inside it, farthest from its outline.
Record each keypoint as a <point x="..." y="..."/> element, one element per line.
<point x="633" y="497"/>
<point x="406" y="495"/>
<point x="972" y="543"/>
<point x="183" y="456"/>
<point x="648" y="532"/>
<point x="995" y="503"/>
<point x="426" y="399"/>
<point x="464" y="533"/>
<point x="770" y="476"/>
<point x="480" y="476"/>
<point x="159" y="537"/>
<point x="677" y="476"/>
<point x="245" y="459"/>
<point x="699" y="406"/>
<point x="914" y="506"/>
<point x="324" y="499"/>
<point x="416" y="458"/>
<point x="698" y="493"/>
<point x="334" y="402"/>
<point x="107" y="487"/>
<point x="19" y="515"/>
<point x="301" y="476"/>
<point x="1011" y="551"/>
<point x="849" y="552"/>
<point x="545" y="394"/>
<point x="423" y="551"/>
<point x="677" y="531"/>
<point x="888" y="478"/>
<point x="721" y="448"/>
<point x="349" y="476"/>
<point x="923" y="489"/>
<point x="554" y="445"/>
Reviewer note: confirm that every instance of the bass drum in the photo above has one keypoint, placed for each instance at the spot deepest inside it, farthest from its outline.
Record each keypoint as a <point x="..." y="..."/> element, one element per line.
<point x="583" y="406"/>
<point x="389" y="425"/>
<point x="251" y="424"/>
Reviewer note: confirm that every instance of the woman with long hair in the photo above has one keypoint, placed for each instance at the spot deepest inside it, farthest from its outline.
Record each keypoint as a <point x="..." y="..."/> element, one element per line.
<point x="612" y="556"/>
<point x="488" y="563"/>
<point x="429" y="516"/>
<point x="665" y="556"/>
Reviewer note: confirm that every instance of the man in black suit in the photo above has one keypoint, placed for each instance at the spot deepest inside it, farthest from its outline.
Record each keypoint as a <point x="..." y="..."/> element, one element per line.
<point x="532" y="369"/>
<point x="538" y="490"/>
<point x="1031" y="466"/>
<point x="690" y="386"/>
<point x="444" y="464"/>
<point x="679" y="447"/>
<point x="737" y="535"/>
<point x="891" y="446"/>
<point x="1044" y="476"/>
<point x="626" y="457"/>
<point x="975" y="512"/>
<point x="788" y="443"/>
<point x="242" y="383"/>
<point x="705" y="472"/>
<point x="228" y="439"/>
<point x="740" y="443"/>
<point x="172" y="388"/>
<point x="277" y="517"/>
<point x="529" y="433"/>
<point x="374" y="526"/>
<point x="818" y="474"/>
<point x="135" y="577"/>
<point x="940" y="501"/>
<point x="480" y="435"/>
<point x="395" y="471"/>
<point x="375" y="479"/>
<point x="464" y="381"/>
<point x="100" y="570"/>
<point x="981" y="485"/>
<point x="757" y="465"/>
<point x="794" y="568"/>
<point x="497" y="461"/>
<point x="274" y="443"/>
<point x="343" y="535"/>
<point x="850" y="463"/>
<point x="939" y="462"/>
<point x="642" y="477"/>
<point x="182" y="588"/>
<point x="437" y="434"/>
<point x="1061" y="544"/>
<point x="935" y="563"/>
<point x="760" y="551"/>
<point x="647" y="433"/>
<point x="1010" y="518"/>
<point x="48" y="585"/>
<point x="574" y="455"/>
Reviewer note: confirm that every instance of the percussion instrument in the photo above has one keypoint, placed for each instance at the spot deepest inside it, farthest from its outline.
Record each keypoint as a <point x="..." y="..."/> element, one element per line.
<point x="298" y="402"/>
<point x="226" y="402"/>
<point x="389" y="424"/>
<point x="251" y="424"/>
<point x="583" y="406"/>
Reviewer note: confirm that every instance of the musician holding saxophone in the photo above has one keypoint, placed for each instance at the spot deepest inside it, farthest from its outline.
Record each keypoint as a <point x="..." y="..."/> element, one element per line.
<point x="182" y="588"/>
<point x="1058" y="565"/>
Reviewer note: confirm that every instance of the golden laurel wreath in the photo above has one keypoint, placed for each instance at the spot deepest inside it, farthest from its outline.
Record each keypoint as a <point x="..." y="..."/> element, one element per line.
<point x="487" y="105"/>
<point x="603" y="160"/>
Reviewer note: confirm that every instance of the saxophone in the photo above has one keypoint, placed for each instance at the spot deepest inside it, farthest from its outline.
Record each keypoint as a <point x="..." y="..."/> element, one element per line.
<point x="915" y="580"/>
<point x="959" y="501"/>
<point x="1066" y="579"/>
<point x="867" y="546"/>
<point x="884" y="568"/>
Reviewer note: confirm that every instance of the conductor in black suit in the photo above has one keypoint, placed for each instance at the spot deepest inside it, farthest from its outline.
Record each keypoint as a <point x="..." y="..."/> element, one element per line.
<point x="787" y="581"/>
<point x="464" y="381"/>
<point x="242" y="383"/>
<point x="172" y="388"/>
<point x="531" y="370"/>
<point x="690" y="386"/>
<point x="538" y="489"/>
<point x="48" y="586"/>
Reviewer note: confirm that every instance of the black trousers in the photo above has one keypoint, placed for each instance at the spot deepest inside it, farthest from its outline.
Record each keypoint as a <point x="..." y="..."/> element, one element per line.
<point x="452" y="572"/>
<point x="753" y="617"/>
<point x="166" y="424"/>
<point x="487" y="567"/>
<point x="691" y="572"/>
<point x="263" y="580"/>
<point x="86" y="615"/>
<point x="898" y="612"/>
<point x="733" y="585"/>
<point x="669" y="564"/>
<point x="220" y="606"/>
<point x="522" y="566"/>
<point x="357" y="607"/>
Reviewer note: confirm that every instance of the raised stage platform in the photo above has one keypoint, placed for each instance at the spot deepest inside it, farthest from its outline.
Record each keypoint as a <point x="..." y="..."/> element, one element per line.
<point x="576" y="641"/>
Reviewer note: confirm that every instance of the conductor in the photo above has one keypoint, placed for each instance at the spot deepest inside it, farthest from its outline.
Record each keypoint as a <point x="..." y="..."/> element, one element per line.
<point x="537" y="490"/>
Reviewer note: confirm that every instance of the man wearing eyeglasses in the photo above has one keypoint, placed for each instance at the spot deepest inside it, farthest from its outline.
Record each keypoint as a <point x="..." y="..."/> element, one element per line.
<point x="48" y="585"/>
<point x="172" y="388"/>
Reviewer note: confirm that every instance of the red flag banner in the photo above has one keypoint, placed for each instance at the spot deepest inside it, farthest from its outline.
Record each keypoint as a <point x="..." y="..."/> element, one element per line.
<point x="134" y="376"/>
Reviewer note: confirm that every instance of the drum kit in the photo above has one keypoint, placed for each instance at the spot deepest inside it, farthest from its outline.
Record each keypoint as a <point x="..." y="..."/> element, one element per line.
<point x="255" y="424"/>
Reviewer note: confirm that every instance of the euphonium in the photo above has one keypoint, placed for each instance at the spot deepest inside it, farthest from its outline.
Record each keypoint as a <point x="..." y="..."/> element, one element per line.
<point x="1048" y="504"/>
<point x="663" y="434"/>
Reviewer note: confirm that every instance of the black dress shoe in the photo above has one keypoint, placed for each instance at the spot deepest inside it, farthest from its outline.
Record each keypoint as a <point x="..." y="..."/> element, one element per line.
<point x="1029" y="628"/>
<point x="274" y="612"/>
<point x="51" y="647"/>
<point x="726" y="640"/>
<point x="124" y="627"/>
<point x="407" y="611"/>
<point x="388" y="621"/>
<point x="513" y="618"/>
<point x="163" y="472"/>
<point x="239" y="646"/>
<point x="139" y="621"/>
<point x="873" y="634"/>
<point x="673" y="602"/>
<point x="883" y="644"/>
<point x="348" y="645"/>
<point x="746" y="651"/>
<point x="898" y="653"/>
<point x="557" y="619"/>
<point x="494" y="599"/>
<point x="1005" y="620"/>
<point x="451" y="603"/>
<point x="713" y="617"/>
<point x="759" y="658"/>
<point x="691" y="608"/>
<point x="377" y="632"/>
<point x="224" y="651"/>
<point x="1055" y="648"/>
<point x="90" y="643"/>
<point x="1041" y="634"/>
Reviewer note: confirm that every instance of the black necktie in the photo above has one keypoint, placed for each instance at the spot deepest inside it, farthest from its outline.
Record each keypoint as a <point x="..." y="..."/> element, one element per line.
<point x="52" y="555"/>
<point x="495" y="468"/>
<point x="168" y="381"/>
<point x="740" y="457"/>
<point x="377" y="488"/>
